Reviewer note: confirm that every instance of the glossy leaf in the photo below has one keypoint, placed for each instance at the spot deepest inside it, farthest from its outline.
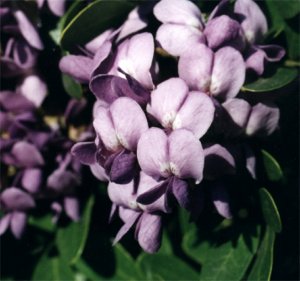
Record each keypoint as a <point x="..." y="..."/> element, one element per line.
<point x="224" y="261"/>
<point x="126" y="268"/>
<point x="262" y="268"/>
<point x="71" y="239"/>
<point x="272" y="167"/>
<point x="166" y="267"/>
<point x="93" y="20"/>
<point x="65" y="19"/>
<point x="72" y="87"/>
<point x="282" y="77"/>
<point x="52" y="268"/>
<point x="270" y="211"/>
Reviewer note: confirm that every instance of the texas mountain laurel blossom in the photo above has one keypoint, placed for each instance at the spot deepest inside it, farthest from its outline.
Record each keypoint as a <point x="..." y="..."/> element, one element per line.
<point x="156" y="130"/>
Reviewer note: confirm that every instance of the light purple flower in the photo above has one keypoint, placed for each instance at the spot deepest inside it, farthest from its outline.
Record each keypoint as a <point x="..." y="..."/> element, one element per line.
<point x="220" y="74"/>
<point x="182" y="26"/>
<point x="57" y="7"/>
<point x="255" y="27"/>
<point x="174" y="107"/>
<point x="147" y="217"/>
<point x="15" y="203"/>
<point x="174" y="159"/>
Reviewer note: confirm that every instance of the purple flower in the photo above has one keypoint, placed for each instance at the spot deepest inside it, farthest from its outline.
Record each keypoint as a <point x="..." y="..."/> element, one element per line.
<point x="147" y="217"/>
<point x="15" y="203"/>
<point x="57" y="7"/>
<point x="220" y="74"/>
<point x="182" y="26"/>
<point x="172" y="158"/>
<point x="174" y="107"/>
<point x="254" y="25"/>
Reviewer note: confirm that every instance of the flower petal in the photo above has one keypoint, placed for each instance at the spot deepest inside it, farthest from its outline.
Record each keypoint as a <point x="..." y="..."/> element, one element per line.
<point x="135" y="57"/>
<point x="253" y="21"/>
<point x="239" y="111"/>
<point x="72" y="207"/>
<point x="18" y="224"/>
<point x="150" y="232"/>
<point x="179" y="12"/>
<point x="273" y="53"/>
<point x="166" y="100"/>
<point x="152" y="153"/>
<point x="228" y="73"/>
<point x="13" y="198"/>
<point x="218" y="162"/>
<point x="263" y="120"/>
<point x="178" y="39"/>
<point x="27" y="155"/>
<point x="222" y="31"/>
<point x="99" y="172"/>
<point x="28" y="30"/>
<point x="127" y="225"/>
<point x="34" y="89"/>
<point x="57" y="7"/>
<point x="4" y="223"/>
<point x="220" y="199"/>
<point x="129" y="121"/>
<point x="32" y="179"/>
<point x="85" y="152"/>
<point x="78" y="67"/>
<point x="186" y="155"/>
<point x="181" y="191"/>
<point x="63" y="181"/>
<point x="195" y="67"/>
<point x="196" y="114"/>
<point x="104" y="127"/>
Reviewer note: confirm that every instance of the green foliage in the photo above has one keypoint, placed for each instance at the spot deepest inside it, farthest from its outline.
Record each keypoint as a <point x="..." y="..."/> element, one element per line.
<point x="166" y="267"/>
<point x="262" y="268"/>
<point x="270" y="211"/>
<point x="52" y="267"/>
<point x="272" y="167"/>
<point x="72" y="87"/>
<point x="93" y="20"/>
<point x="281" y="13"/>
<point x="217" y="257"/>
<point x="282" y="77"/>
<point x="72" y="238"/>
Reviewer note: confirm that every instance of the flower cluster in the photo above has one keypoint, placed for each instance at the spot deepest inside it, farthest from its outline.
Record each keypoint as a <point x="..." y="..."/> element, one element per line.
<point x="36" y="162"/>
<point x="148" y="125"/>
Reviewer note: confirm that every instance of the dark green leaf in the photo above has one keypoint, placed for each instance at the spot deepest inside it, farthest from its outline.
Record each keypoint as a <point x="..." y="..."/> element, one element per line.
<point x="87" y="271"/>
<point x="293" y="40"/>
<point x="72" y="87"/>
<point x="65" y="19"/>
<point x="282" y="77"/>
<point x="167" y="267"/>
<point x="225" y="261"/>
<point x="93" y="20"/>
<point x="71" y="239"/>
<point x="262" y="268"/>
<point x="126" y="268"/>
<point x="270" y="210"/>
<point x="52" y="268"/>
<point x="166" y="246"/>
<point x="272" y="167"/>
<point x="287" y="9"/>
<point x="43" y="222"/>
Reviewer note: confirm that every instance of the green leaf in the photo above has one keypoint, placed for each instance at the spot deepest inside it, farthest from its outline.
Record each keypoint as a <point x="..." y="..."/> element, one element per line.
<point x="87" y="271"/>
<point x="270" y="211"/>
<point x="65" y="19"/>
<point x="224" y="261"/>
<point x="93" y="20"/>
<point x="262" y="268"/>
<point x="52" y="268"/>
<point x="282" y="77"/>
<point x="72" y="87"/>
<point x="42" y="222"/>
<point x="166" y="267"/>
<point x="126" y="268"/>
<point x="272" y="167"/>
<point x="287" y="9"/>
<point x="72" y="238"/>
